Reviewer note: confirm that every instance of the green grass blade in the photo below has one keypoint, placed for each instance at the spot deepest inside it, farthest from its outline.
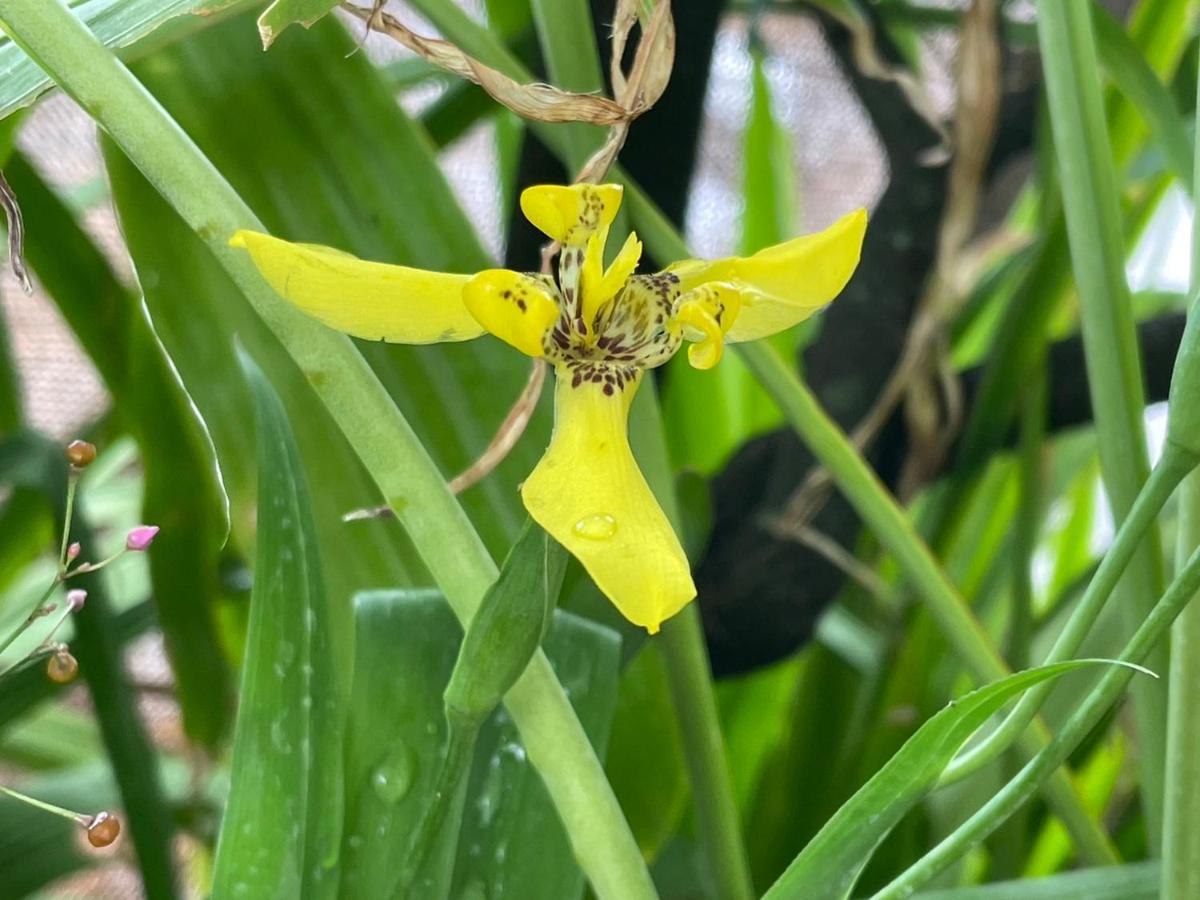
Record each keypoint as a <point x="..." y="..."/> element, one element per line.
<point x="282" y="824"/>
<point x="1137" y="881"/>
<point x="1093" y="217"/>
<point x="831" y="863"/>
<point x="1181" y="837"/>
<point x="1137" y="81"/>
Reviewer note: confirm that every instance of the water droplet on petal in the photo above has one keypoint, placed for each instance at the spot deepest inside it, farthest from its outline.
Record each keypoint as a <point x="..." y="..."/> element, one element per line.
<point x="393" y="777"/>
<point x="598" y="527"/>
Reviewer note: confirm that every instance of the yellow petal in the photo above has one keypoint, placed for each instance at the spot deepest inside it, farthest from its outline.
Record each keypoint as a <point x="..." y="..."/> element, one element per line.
<point x="783" y="285"/>
<point x="599" y="285"/>
<point x="515" y="307"/>
<point x="370" y="300"/>
<point x="588" y="493"/>
<point x="571" y="213"/>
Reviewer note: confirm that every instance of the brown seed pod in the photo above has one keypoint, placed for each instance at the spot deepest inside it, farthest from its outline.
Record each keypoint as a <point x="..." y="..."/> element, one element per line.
<point x="103" y="829"/>
<point x="62" y="667"/>
<point x="80" y="454"/>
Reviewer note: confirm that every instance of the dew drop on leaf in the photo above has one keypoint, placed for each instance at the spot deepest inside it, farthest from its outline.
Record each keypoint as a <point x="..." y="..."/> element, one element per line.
<point x="393" y="777"/>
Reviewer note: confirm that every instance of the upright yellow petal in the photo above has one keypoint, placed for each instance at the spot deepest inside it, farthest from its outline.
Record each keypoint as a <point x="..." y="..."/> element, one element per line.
<point x="515" y="307"/>
<point x="370" y="300"/>
<point x="588" y="493"/>
<point x="571" y="213"/>
<point x="783" y="285"/>
<point x="599" y="285"/>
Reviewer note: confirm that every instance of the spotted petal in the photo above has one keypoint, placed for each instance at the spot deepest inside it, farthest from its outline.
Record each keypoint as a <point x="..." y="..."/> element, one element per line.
<point x="588" y="493"/>
<point x="369" y="300"/>
<point x="783" y="285"/>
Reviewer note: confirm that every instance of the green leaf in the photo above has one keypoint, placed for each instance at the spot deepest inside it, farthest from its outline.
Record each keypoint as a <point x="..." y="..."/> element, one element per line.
<point x="282" y="825"/>
<point x="511" y="837"/>
<point x="1138" y="881"/>
<point x="1128" y="68"/>
<point x="832" y="861"/>
<point x="282" y="13"/>
<point x="120" y="24"/>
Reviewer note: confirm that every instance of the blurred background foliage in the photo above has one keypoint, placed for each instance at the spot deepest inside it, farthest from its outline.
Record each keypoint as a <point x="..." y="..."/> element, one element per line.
<point x="781" y="116"/>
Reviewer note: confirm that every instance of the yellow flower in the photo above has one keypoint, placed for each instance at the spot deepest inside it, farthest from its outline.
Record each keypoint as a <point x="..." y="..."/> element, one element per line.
<point x="601" y="328"/>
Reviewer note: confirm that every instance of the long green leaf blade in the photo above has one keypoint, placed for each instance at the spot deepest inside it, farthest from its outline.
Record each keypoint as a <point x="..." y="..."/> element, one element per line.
<point x="283" y="821"/>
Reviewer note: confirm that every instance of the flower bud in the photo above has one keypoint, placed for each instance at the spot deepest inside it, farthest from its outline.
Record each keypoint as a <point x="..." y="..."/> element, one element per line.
<point x="62" y="667"/>
<point x="75" y="598"/>
<point x="80" y="454"/>
<point x="103" y="829"/>
<point x="139" y="538"/>
<point x="73" y="551"/>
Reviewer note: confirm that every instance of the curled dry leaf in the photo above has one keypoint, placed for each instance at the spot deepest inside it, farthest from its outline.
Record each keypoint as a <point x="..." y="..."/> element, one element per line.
<point x="541" y="102"/>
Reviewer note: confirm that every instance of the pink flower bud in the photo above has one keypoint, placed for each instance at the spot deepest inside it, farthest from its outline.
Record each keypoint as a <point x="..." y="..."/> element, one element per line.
<point x="73" y="551"/>
<point x="139" y="538"/>
<point x="75" y="598"/>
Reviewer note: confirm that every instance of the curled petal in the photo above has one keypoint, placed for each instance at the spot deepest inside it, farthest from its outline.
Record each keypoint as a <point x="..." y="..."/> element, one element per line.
<point x="589" y="494"/>
<point x="517" y="308"/>
<point x="708" y="312"/>
<point x="571" y="214"/>
<point x="374" y="301"/>
<point x="783" y="285"/>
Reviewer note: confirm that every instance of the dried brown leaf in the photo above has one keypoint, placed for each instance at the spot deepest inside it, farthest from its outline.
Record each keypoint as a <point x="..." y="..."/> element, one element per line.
<point x="541" y="102"/>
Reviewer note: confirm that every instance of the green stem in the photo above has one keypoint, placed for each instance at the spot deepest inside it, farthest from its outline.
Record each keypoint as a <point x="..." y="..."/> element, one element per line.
<point x="554" y="739"/>
<point x="1066" y="739"/>
<point x="442" y="817"/>
<point x="861" y="486"/>
<point x="690" y="681"/>
<point x="1029" y="517"/>
<point x="72" y="484"/>
<point x="1171" y="469"/>
<point x="44" y="806"/>
<point x="1093" y="215"/>
<point x="29" y="619"/>
<point x="1181" y="836"/>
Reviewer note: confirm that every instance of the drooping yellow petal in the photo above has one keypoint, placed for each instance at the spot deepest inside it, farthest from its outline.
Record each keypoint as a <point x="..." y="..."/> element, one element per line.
<point x="571" y="213"/>
<point x="515" y="307"/>
<point x="589" y="494"/>
<point x="783" y="285"/>
<point x="599" y="285"/>
<point x="370" y="300"/>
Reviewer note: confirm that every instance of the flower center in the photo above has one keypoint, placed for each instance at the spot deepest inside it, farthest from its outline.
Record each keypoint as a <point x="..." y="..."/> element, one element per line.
<point x="632" y="331"/>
